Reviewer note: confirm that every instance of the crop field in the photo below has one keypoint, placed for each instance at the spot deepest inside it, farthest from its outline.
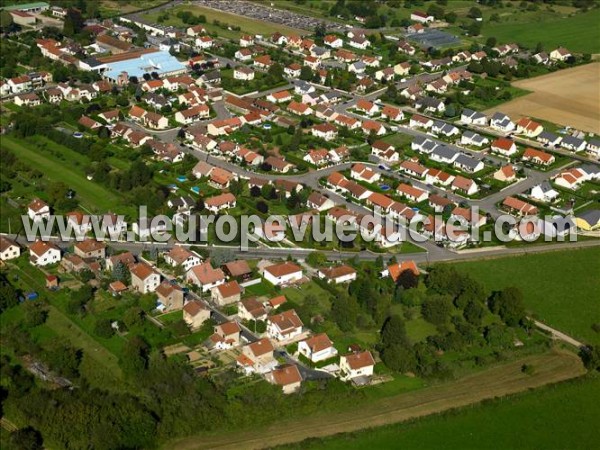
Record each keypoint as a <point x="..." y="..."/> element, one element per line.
<point x="506" y="379"/>
<point x="560" y="288"/>
<point x="568" y="97"/>
<point x="520" y="422"/>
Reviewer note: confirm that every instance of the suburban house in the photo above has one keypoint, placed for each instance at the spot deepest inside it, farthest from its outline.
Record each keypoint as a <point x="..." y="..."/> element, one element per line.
<point x="180" y="256"/>
<point x="471" y="138"/>
<point x="228" y="334"/>
<point x="529" y="127"/>
<point x="544" y="192"/>
<point x="317" y="348"/>
<point x="226" y="293"/>
<point x="237" y="269"/>
<point x="538" y="157"/>
<point x="9" y="249"/>
<point x="251" y="309"/>
<point x="560" y="54"/>
<point x="502" y="122"/>
<point x="283" y="273"/>
<point x="287" y="376"/>
<point x="170" y="295"/>
<point x="43" y="253"/>
<point x="519" y="207"/>
<point x="319" y="202"/>
<point x="257" y="357"/>
<point x="220" y="202"/>
<point x="506" y="174"/>
<point x="284" y="326"/>
<point x="465" y="185"/>
<point x="205" y="276"/>
<point x="90" y="248"/>
<point x="356" y="366"/>
<point x="412" y="193"/>
<point x="144" y="278"/>
<point x="337" y="274"/>
<point x="470" y="117"/>
<point x="38" y="210"/>
<point x="195" y="314"/>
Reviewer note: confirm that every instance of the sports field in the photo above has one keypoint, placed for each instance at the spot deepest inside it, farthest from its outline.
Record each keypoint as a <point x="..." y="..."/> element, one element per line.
<point x="567" y="97"/>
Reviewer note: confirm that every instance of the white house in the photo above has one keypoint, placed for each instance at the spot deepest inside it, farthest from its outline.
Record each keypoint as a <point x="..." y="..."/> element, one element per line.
<point x="284" y="326"/>
<point x="43" y="253"/>
<point x="180" y="256"/>
<point x="205" y="276"/>
<point x="38" y="210"/>
<point x="317" y="348"/>
<point x="356" y="365"/>
<point x="338" y="274"/>
<point x="243" y="73"/>
<point x="283" y="273"/>
<point x="8" y="249"/>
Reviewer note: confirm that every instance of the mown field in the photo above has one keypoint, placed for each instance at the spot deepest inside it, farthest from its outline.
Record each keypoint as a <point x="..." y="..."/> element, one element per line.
<point x="556" y="417"/>
<point x="560" y="288"/>
<point x="92" y="195"/>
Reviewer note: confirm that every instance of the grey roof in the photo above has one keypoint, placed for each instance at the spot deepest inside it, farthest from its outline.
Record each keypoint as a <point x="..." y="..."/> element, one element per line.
<point x="211" y="76"/>
<point x="591" y="216"/>
<point x="430" y="102"/>
<point x="473" y="136"/>
<point x="547" y="136"/>
<point x="429" y="145"/>
<point x="444" y="152"/>
<point x="590" y="169"/>
<point x="467" y="161"/>
<point x="594" y="142"/>
<point x="419" y="140"/>
<point x="571" y="141"/>
<point x="359" y="65"/>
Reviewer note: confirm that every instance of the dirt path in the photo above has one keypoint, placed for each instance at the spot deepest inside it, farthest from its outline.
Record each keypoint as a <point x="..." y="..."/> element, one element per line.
<point x="551" y="367"/>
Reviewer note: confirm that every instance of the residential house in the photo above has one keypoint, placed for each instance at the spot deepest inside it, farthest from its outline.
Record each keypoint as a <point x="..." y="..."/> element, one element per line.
<point x="529" y="127"/>
<point x="544" y="192"/>
<point x="195" y="313"/>
<point x="226" y="293"/>
<point x="251" y="309"/>
<point x="337" y="274"/>
<point x="474" y="139"/>
<point x="506" y="174"/>
<point x="519" y="207"/>
<point x="284" y="326"/>
<point x="283" y="273"/>
<point x="38" y="210"/>
<point x="356" y="366"/>
<point x="317" y="348"/>
<point x="90" y="248"/>
<point x="465" y="185"/>
<point x="205" y="276"/>
<point x="9" y="249"/>
<point x="538" y="157"/>
<point x="220" y="202"/>
<point x="504" y="146"/>
<point x="470" y="117"/>
<point x="170" y="295"/>
<point x="319" y="202"/>
<point x="180" y="256"/>
<point x="502" y="122"/>
<point x="144" y="278"/>
<point x="560" y="54"/>
<point x="287" y="376"/>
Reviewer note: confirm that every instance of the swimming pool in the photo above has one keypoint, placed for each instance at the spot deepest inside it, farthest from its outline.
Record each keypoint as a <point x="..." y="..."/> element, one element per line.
<point x="384" y="187"/>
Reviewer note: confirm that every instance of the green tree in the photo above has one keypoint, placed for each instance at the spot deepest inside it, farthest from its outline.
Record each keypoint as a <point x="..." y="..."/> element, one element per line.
<point x="399" y="358"/>
<point x="344" y="310"/>
<point x="34" y="314"/>
<point x="508" y="304"/>
<point x="393" y="332"/>
<point x="103" y="328"/>
<point x="27" y="438"/>
<point x="437" y="309"/>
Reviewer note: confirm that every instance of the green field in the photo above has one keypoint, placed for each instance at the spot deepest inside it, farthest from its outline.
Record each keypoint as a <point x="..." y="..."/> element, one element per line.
<point x="92" y="195"/>
<point x="247" y="24"/>
<point x="560" y="288"/>
<point x="579" y="33"/>
<point x="556" y="417"/>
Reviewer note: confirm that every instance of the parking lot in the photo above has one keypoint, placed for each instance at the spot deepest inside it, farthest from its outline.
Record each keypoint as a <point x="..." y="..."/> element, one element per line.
<point x="263" y="12"/>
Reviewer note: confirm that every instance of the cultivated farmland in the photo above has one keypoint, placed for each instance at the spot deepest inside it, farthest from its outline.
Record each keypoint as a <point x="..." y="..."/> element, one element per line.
<point x="569" y="97"/>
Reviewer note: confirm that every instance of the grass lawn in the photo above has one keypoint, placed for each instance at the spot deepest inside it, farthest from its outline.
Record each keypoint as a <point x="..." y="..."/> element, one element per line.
<point x="247" y="24"/>
<point x="520" y="422"/>
<point x="560" y="288"/>
<point x="92" y="195"/>
<point x="579" y="33"/>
